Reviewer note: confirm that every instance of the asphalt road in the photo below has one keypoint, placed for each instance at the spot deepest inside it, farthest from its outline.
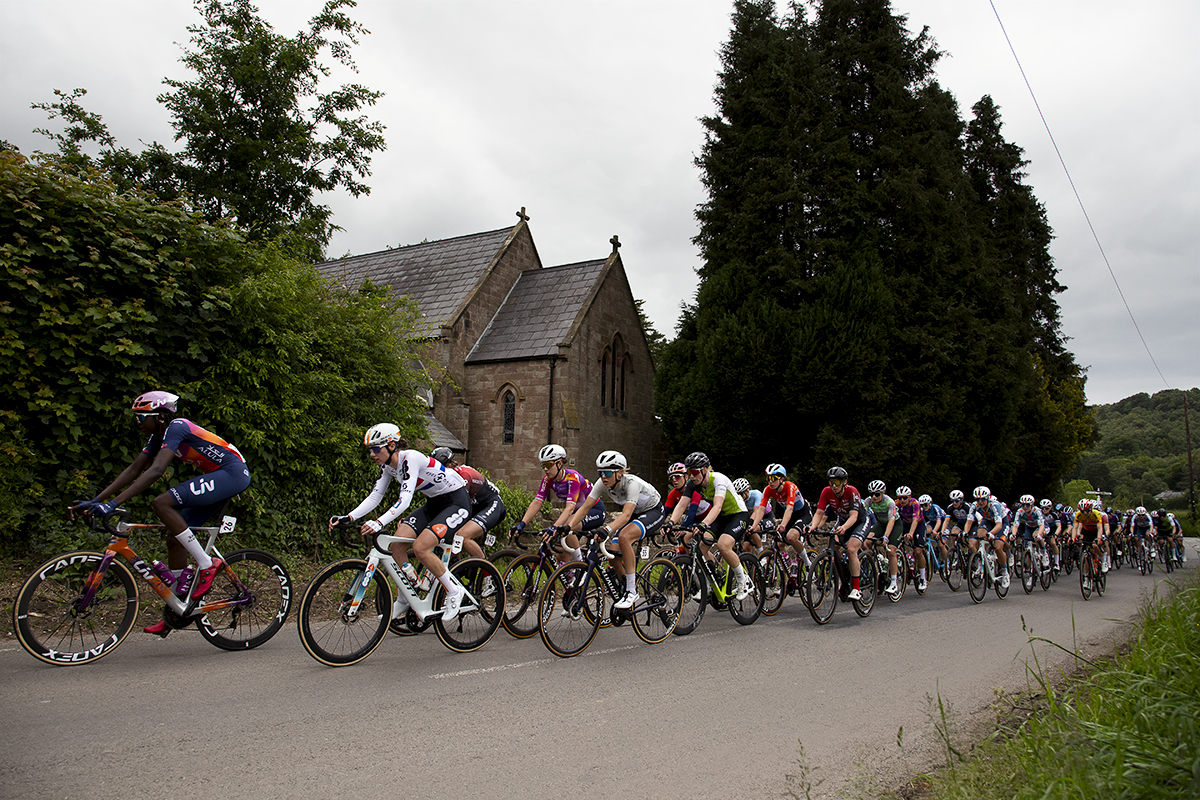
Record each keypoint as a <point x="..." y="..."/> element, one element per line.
<point x="729" y="711"/>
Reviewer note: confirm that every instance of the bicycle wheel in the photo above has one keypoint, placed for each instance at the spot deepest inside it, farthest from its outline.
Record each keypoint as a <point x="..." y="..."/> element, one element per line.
<point x="570" y="609"/>
<point x="660" y="585"/>
<point x="1168" y="558"/>
<point x="1028" y="576"/>
<point x="695" y="596"/>
<point x="746" y="610"/>
<point x="976" y="579"/>
<point x="1101" y="580"/>
<point x="328" y="631"/>
<point x="775" y="581"/>
<point x="821" y="589"/>
<point x="503" y="559"/>
<point x="956" y="568"/>
<point x="1068" y="560"/>
<point x="527" y="575"/>
<point x="1085" y="576"/>
<point x="262" y="590"/>
<point x="998" y="584"/>
<point x="901" y="576"/>
<point x="482" y="610"/>
<point x="52" y="627"/>
<point x="1044" y="571"/>
<point x="868" y="586"/>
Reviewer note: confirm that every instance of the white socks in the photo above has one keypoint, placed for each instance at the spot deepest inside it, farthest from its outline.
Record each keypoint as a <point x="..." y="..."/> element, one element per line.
<point x="192" y="545"/>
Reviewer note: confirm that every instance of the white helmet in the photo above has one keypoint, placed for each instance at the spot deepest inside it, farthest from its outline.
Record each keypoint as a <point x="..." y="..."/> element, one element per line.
<point x="1026" y="499"/>
<point x="876" y="487"/>
<point x="551" y="452"/>
<point x="610" y="459"/>
<point x="925" y="500"/>
<point x="1046" y="504"/>
<point x="776" y="469"/>
<point x="982" y="493"/>
<point x="741" y="486"/>
<point x="955" y="496"/>
<point x="381" y="434"/>
<point x="1140" y="510"/>
<point x="903" y="491"/>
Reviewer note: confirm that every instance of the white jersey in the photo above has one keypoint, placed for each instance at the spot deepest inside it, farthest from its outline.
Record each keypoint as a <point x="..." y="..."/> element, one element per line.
<point x="630" y="489"/>
<point x="416" y="472"/>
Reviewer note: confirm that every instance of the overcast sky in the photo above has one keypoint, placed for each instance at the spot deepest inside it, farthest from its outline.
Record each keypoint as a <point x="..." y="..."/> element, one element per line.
<point x="586" y="114"/>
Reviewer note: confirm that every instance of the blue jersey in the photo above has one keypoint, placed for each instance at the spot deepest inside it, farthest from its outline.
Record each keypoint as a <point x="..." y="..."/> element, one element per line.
<point x="933" y="514"/>
<point x="988" y="515"/>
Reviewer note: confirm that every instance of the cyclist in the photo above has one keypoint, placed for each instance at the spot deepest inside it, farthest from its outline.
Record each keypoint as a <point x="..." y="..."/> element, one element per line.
<point x="987" y="516"/>
<point x="853" y="522"/>
<point x="912" y="517"/>
<point x="1031" y="525"/>
<point x="188" y="504"/>
<point x="1180" y="550"/>
<point x="883" y="525"/>
<point x="957" y="511"/>
<point x="446" y="508"/>
<point x="751" y="498"/>
<point x="570" y="487"/>
<point x="1088" y="526"/>
<point x="1164" y="531"/>
<point x="695" y="505"/>
<point x="641" y="515"/>
<point x="1054" y="529"/>
<point x="935" y="523"/>
<point x="726" y="517"/>
<point x="794" y="512"/>
<point x="487" y="507"/>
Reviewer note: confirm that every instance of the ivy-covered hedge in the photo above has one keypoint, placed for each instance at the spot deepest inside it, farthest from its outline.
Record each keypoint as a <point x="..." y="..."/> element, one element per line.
<point x="108" y="294"/>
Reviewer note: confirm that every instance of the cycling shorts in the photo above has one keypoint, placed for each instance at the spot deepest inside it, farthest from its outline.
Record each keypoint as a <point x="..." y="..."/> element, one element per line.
<point x="649" y="521"/>
<point x="489" y="514"/>
<point x="444" y="514"/>
<point x="731" y="525"/>
<point x="1026" y="531"/>
<point x="919" y="534"/>
<point x="201" y="497"/>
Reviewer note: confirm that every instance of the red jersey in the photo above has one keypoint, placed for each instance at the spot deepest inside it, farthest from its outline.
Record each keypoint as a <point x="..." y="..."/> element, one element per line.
<point x="842" y="506"/>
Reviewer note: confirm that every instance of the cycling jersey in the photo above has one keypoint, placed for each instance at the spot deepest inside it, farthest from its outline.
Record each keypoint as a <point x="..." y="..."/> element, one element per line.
<point x="788" y="494"/>
<point x="701" y="505"/>
<point x="194" y="445"/>
<point x="842" y="506"/>
<point x="909" y="512"/>
<point x="717" y="482"/>
<point x="959" y="512"/>
<point x="571" y="487"/>
<point x="933" y="514"/>
<point x="884" y="509"/>
<point x="417" y="473"/>
<point x="1089" y="521"/>
<point x="753" y="499"/>
<point x="481" y="490"/>
<point x="987" y="517"/>
<point x="1031" y="519"/>
<point x="630" y="489"/>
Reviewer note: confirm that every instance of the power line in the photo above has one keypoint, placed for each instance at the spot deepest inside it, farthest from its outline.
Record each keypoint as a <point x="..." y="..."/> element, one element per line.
<point x="1078" y="199"/>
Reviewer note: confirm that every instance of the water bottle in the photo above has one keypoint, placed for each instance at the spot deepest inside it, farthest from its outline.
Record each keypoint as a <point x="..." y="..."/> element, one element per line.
<point x="183" y="583"/>
<point x="163" y="572"/>
<point x="991" y="562"/>
<point x="406" y="569"/>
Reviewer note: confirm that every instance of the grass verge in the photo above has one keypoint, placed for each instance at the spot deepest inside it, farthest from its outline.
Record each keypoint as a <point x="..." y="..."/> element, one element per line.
<point x="1124" y="727"/>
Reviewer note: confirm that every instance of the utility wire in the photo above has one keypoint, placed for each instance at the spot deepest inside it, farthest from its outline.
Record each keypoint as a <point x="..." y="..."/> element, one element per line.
<point x="1077" y="197"/>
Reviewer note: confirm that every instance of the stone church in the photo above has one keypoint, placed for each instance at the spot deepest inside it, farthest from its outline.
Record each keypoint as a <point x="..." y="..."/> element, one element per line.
<point x="532" y="355"/>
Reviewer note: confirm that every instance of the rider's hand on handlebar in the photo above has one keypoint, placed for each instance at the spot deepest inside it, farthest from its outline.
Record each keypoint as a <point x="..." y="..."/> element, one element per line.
<point x="371" y="526"/>
<point x="336" y="521"/>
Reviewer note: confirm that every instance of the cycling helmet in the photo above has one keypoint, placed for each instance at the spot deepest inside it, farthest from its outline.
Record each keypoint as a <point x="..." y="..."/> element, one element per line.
<point x="697" y="460"/>
<point x="1058" y="506"/>
<point x="676" y="469"/>
<point x="876" y="487"/>
<point x="983" y="493"/>
<point x="837" y="473"/>
<point x="611" y="459"/>
<point x="1162" y="512"/>
<point x="955" y="496"/>
<point x="1046" y="504"/>
<point x="741" y="486"/>
<point x="1085" y="504"/>
<point x="381" y="434"/>
<point x="1027" y="500"/>
<point x="551" y="452"/>
<point x="1140" y="510"/>
<point x="1108" y="510"/>
<point x="155" y="403"/>
<point x="903" y="491"/>
<point x="776" y="469"/>
<point x="442" y="455"/>
<point x="925" y="500"/>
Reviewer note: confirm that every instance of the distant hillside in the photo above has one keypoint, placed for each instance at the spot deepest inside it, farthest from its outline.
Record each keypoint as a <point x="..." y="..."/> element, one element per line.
<point x="1142" y="449"/>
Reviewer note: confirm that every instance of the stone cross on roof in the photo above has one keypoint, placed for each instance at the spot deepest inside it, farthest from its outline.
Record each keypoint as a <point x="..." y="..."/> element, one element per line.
<point x="522" y="215"/>
<point x="615" y="242"/>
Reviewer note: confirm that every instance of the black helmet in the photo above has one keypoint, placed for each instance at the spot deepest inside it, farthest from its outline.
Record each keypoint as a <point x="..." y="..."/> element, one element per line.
<point x="1162" y="512"/>
<point x="442" y="455"/>
<point x="838" y="473"/>
<point x="696" y="460"/>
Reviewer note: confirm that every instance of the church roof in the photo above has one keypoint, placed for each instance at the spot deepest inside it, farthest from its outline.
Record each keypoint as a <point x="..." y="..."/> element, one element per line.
<point x="437" y="275"/>
<point x="538" y="313"/>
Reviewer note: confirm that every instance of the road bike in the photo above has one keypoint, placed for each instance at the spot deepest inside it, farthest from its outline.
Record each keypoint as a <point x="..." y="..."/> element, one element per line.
<point x="713" y="583"/>
<point x="983" y="573"/>
<point x="951" y="568"/>
<point x="1092" y="576"/>
<point x="524" y="580"/>
<point x="880" y="552"/>
<point x="783" y="571"/>
<point x="571" y="606"/>
<point x="1033" y="567"/>
<point x="829" y="580"/>
<point x="346" y="610"/>
<point x="79" y="606"/>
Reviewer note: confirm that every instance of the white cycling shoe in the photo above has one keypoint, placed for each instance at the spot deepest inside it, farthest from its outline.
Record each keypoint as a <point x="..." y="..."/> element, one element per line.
<point x="628" y="601"/>
<point x="451" y="604"/>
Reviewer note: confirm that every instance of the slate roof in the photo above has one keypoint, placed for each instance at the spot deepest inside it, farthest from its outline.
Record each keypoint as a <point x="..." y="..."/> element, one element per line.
<point x="538" y="313"/>
<point x="437" y="275"/>
<point x="440" y="435"/>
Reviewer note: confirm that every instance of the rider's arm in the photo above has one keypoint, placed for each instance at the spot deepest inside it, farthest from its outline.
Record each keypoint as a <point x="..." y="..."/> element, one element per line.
<point x="623" y="518"/>
<point x="714" y="512"/>
<point x="138" y="476"/>
<point x="576" y="520"/>
<point x="374" y="498"/>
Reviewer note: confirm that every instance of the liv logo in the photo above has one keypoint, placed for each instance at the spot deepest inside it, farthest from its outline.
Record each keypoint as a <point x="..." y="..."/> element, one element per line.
<point x="202" y="486"/>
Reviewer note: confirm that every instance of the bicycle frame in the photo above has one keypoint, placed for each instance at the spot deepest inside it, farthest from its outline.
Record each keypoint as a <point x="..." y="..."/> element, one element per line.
<point x="380" y="557"/>
<point x="592" y="562"/>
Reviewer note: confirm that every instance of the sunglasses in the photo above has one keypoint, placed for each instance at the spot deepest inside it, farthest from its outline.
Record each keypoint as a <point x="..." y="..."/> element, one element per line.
<point x="876" y="494"/>
<point x="143" y="417"/>
<point x="837" y="482"/>
<point x="695" y="472"/>
<point x="375" y="448"/>
<point x="606" y="473"/>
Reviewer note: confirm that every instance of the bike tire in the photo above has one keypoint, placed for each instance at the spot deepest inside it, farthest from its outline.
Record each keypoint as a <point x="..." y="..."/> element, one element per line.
<point x="956" y="568"/>
<point x="998" y="585"/>
<point x="327" y="632"/>
<point x="570" y="589"/>
<point x="868" y="586"/>
<point x="748" y="609"/>
<point x="695" y="598"/>
<point x="527" y="575"/>
<point x="902" y="576"/>
<point x="977" y="577"/>
<point x="1085" y="574"/>
<point x="261" y="581"/>
<point x="660" y="584"/>
<point x="482" y="610"/>
<point x="1168" y="558"/>
<point x="1045" y="571"/>
<point x="504" y="558"/>
<point x="821" y="588"/>
<point x="1028" y="576"/>
<point x="775" y="581"/>
<point x="1101" y="582"/>
<point x="50" y="628"/>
